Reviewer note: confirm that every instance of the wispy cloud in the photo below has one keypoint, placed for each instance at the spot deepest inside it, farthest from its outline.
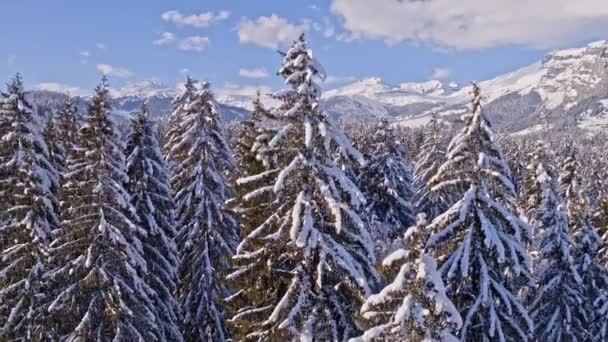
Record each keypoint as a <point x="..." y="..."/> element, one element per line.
<point x="194" y="43"/>
<point x="253" y="73"/>
<point x="440" y="73"/>
<point x="325" y="28"/>
<point x="85" y="53"/>
<point x="271" y="32"/>
<point x="332" y="79"/>
<point x="471" y="24"/>
<point x="166" y="38"/>
<point x="110" y="70"/>
<point x="11" y="59"/>
<point x="101" y="46"/>
<point x="196" y="20"/>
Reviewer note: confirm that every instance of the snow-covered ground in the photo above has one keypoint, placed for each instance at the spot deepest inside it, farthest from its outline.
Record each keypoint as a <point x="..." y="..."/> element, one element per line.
<point x="413" y="122"/>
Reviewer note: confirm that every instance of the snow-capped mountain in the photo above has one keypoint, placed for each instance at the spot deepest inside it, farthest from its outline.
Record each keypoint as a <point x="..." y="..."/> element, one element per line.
<point x="128" y="99"/>
<point x="569" y="86"/>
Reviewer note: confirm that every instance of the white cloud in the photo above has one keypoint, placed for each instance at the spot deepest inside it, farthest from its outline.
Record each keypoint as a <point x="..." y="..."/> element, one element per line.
<point x="59" y="88"/>
<point x="253" y="73"/>
<point x="194" y="43"/>
<point x="101" y="46"/>
<point x="332" y="79"/>
<point x="166" y="38"/>
<point x="184" y="71"/>
<point x="110" y="70"/>
<point x="440" y="73"/>
<point x="271" y="32"/>
<point x="85" y="53"/>
<point x="325" y="28"/>
<point x="197" y="20"/>
<point x="241" y="90"/>
<point x="474" y="24"/>
<point x="11" y="59"/>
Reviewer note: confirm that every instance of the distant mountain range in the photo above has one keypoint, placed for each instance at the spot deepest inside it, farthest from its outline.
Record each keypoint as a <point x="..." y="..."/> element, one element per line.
<point x="569" y="86"/>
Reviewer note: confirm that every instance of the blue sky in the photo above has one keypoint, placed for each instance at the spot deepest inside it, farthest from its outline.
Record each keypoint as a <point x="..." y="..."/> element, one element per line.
<point x="232" y="43"/>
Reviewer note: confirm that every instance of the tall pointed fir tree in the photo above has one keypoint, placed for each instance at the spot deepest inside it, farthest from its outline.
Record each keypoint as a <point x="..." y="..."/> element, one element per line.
<point x="207" y="234"/>
<point x="50" y="134"/>
<point x="65" y="124"/>
<point x="414" y="306"/>
<point x="97" y="284"/>
<point x="386" y="183"/>
<point x="556" y="305"/>
<point x="430" y="158"/>
<point x="185" y="96"/>
<point x="150" y="192"/>
<point x="27" y="219"/>
<point x="587" y="244"/>
<point x="479" y="240"/>
<point x="305" y="270"/>
<point x="253" y="156"/>
<point x="251" y="150"/>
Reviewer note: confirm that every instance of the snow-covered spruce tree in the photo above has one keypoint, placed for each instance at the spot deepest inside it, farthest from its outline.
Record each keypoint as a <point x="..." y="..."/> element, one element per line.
<point x="99" y="293"/>
<point x="254" y="156"/>
<point x="207" y="235"/>
<point x="150" y="193"/>
<point x="65" y="124"/>
<point x="386" y="184"/>
<point x="556" y="305"/>
<point x="414" y="306"/>
<point x="306" y="269"/>
<point x="56" y="152"/>
<point x="587" y="244"/>
<point x="428" y="161"/>
<point x="178" y="107"/>
<point x="251" y="150"/>
<point x="479" y="241"/>
<point x="27" y="219"/>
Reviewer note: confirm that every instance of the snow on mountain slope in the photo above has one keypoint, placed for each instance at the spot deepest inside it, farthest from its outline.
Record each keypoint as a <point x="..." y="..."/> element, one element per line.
<point x="145" y="89"/>
<point x="567" y="85"/>
<point x="521" y="81"/>
<point x="368" y="87"/>
<point x="404" y="94"/>
<point x="570" y="86"/>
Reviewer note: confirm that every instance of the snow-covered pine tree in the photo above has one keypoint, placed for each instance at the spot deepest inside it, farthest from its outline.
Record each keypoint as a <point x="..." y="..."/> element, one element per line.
<point x="251" y="151"/>
<point x="150" y="192"/>
<point x="254" y="156"/>
<point x="27" y="219"/>
<point x="99" y="294"/>
<point x="386" y="184"/>
<point x="65" y="123"/>
<point x="207" y="234"/>
<point x="414" y="306"/>
<point x="428" y="161"/>
<point x="587" y="244"/>
<point x="305" y="270"/>
<point x="556" y="300"/>
<point x="515" y="153"/>
<point x="178" y="107"/>
<point x="55" y="149"/>
<point x="479" y="241"/>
